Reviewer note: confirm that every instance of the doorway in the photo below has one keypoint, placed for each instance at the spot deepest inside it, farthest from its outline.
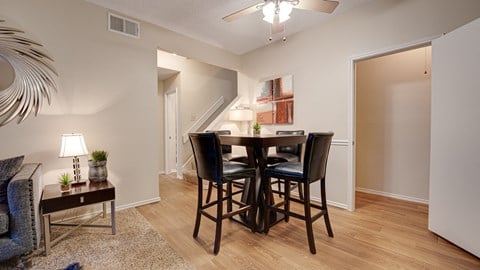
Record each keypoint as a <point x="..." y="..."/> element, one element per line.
<point x="391" y="124"/>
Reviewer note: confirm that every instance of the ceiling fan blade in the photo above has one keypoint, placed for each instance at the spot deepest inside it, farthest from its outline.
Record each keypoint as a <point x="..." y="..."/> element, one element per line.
<point x="325" y="6"/>
<point x="240" y="13"/>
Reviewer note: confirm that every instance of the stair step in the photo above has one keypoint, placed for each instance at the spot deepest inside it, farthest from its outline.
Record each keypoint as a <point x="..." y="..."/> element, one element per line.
<point x="190" y="176"/>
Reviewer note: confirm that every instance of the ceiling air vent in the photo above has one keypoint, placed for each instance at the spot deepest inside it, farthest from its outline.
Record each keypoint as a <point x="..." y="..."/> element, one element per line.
<point x="122" y="25"/>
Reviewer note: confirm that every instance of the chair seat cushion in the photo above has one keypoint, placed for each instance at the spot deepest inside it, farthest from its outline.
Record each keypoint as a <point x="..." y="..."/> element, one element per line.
<point x="281" y="157"/>
<point x="229" y="157"/>
<point x="4" y="220"/>
<point x="290" y="170"/>
<point x="234" y="170"/>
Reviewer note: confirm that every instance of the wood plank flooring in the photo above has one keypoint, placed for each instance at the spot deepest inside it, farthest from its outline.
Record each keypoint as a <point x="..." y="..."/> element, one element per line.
<point x="382" y="233"/>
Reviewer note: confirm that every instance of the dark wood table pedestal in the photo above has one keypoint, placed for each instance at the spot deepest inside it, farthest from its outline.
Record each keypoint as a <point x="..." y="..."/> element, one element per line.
<point x="257" y="151"/>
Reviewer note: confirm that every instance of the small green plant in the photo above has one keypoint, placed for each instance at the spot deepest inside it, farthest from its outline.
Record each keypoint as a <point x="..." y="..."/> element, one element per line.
<point x="65" y="179"/>
<point x="257" y="127"/>
<point x="99" y="155"/>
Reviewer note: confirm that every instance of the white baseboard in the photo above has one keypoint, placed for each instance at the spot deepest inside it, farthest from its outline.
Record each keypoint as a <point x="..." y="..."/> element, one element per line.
<point x="135" y="204"/>
<point x="319" y="200"/>
<point x="392" y="195"/>
<point x="330" y="203"/>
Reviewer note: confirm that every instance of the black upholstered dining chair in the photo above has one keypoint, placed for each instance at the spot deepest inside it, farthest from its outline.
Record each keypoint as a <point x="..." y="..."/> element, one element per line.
<point x="210" y="166"/>
<point x="227" y="156"/>
<point x="312" y="170"/>
<point x="289" y="153"/>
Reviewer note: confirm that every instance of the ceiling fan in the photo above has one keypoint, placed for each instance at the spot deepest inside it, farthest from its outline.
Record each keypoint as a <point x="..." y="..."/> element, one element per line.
<point x="277" y="12"/>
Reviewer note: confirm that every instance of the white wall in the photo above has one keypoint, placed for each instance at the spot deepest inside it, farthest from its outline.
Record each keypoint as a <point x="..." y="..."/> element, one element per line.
<point x="107" y="91"/>
<point x="455" y="159"/>
<point x="393" y="124"/>
<point x="320" y="58"/>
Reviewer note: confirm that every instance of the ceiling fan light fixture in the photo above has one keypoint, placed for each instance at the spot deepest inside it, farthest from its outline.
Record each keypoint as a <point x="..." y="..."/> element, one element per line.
<point x="268" y="12"/>
<point x="283" y="11"/>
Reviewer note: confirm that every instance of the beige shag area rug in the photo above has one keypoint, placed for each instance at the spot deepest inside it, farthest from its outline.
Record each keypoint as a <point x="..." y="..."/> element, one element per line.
<point x="136" y="245"/>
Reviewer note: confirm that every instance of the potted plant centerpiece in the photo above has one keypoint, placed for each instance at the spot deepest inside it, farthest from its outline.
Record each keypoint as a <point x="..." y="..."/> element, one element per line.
<point x="97" y="166"/>
<point x="256" y="128"/>
<point x="65" y="182"/>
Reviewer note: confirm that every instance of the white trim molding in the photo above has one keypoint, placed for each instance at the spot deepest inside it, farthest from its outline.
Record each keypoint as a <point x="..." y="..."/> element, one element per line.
<point x="341" y="142"/>
<point x="392" y="195"/>
<point x="135" y="204"/>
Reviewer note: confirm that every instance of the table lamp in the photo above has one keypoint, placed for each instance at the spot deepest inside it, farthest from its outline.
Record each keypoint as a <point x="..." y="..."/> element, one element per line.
<point x="242" y="114"/>
<point x="73" y="145"/>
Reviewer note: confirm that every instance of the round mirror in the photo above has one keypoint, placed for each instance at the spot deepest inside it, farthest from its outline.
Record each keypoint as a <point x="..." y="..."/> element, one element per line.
<point x="23" y="88"/>
<point x="8" y="74"/>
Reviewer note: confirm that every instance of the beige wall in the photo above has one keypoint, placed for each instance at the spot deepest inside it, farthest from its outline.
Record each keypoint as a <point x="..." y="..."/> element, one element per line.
<point x="455" y="162"/>
<point x="393" y="124"/>
<point x="107" y="91"/>
<point x="319" y="59"/>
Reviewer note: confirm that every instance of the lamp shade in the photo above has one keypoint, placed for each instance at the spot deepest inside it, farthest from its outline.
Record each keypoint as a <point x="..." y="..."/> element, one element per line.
<point x="241" y="115"/>
<point x="73" y="145"/>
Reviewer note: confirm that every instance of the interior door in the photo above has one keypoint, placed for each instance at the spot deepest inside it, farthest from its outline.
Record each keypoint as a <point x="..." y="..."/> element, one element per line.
<point x="455" y="149"/>
<point x="171" y="131"/>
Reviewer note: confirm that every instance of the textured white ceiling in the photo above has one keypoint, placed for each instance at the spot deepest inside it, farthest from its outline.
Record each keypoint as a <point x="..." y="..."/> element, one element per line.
<point x="202" y="20"/>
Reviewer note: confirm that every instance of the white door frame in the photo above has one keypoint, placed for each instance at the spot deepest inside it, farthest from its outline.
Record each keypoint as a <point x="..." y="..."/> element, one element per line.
<point x="351" y="107"/>
<point x="166" y="130"/>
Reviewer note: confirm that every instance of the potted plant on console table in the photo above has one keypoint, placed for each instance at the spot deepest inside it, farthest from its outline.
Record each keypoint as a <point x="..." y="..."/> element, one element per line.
<point x="65" y="182"/>
<point x="97" y="171"/>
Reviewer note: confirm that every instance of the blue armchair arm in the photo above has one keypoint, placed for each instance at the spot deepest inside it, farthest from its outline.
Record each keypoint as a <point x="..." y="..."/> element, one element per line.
<point x="23" y="195"/>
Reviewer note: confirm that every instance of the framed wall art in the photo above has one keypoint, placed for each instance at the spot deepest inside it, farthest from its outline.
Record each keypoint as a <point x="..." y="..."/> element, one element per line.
<point x="274" y="101"/>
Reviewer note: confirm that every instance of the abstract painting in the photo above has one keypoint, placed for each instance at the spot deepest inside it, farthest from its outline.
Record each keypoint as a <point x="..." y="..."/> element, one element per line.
<point x="275" y="101"/>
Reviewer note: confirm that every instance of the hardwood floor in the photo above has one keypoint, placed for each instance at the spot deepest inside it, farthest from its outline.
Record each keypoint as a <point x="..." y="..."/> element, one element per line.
<point x="382" y="233"/>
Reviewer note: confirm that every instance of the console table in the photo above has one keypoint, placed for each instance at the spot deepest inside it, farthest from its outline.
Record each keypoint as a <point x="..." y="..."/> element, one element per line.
<point x="53" y="200"/>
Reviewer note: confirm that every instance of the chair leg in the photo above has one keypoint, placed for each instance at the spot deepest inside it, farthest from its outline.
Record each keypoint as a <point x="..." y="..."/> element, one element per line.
<point x="300" y="191"/>
<point x="253" y="202"/>
<point x="218" y="221"/>
<point x="199" y="207"/>
<point x="209" y="191"/>
<point x="324" y="206"/>
<point x="229" y="196"/>
<point x="279" y="186"/>
<point x="268" y="203"/>
<point x="287" y="200"/>
<point x="308" y="218"/>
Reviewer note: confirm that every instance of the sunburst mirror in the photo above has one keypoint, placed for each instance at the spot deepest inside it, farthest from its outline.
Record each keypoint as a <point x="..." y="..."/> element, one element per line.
<point x="28" y="76"/>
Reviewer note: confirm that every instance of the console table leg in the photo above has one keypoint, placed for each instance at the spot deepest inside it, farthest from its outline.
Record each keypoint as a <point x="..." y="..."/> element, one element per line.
<point x="46" y="231"/>
<point x="112" y="210"/>
<point x="104" y="206"/>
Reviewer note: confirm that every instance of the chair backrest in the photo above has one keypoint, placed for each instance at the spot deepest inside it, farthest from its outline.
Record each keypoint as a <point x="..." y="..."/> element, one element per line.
<point x="291" y="149"/>
<point x="316" y="155"/>
<point x="226" y="149"/>
<point x="208" y="155"/>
